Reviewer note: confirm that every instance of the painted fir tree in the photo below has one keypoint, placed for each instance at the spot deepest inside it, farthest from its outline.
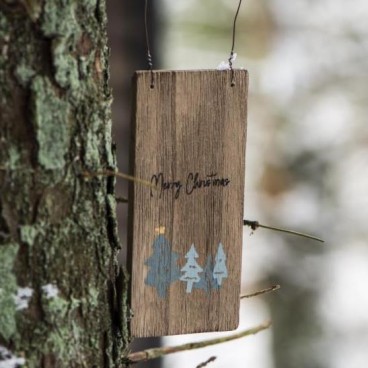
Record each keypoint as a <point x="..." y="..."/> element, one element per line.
<point x="220" y="270"/>
<point x="163" y="265"/>
<point x="207" y="281"/>
<point x="191" y="269"/>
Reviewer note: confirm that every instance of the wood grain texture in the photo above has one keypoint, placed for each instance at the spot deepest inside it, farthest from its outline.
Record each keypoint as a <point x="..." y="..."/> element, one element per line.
<point x="191" y="122"/>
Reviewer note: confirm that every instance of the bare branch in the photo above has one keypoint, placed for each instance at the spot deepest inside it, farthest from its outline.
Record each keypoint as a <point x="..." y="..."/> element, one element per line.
<point x="154" y="353"/>
<point x="121" y="199"/>
<point x="209" y="360"/>
<point x="254" y="225"/>
<point x="260" y="292"/>
<point x="119" y="175"/>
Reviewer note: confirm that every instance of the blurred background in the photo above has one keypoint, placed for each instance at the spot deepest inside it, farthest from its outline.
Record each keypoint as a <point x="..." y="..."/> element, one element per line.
<point x="307" y="164"/>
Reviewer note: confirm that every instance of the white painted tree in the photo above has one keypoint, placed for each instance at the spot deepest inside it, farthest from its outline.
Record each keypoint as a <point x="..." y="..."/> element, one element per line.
<point x="191" y="269"/>
<point x="207" y="282"/>
<point x="220" y="270"/>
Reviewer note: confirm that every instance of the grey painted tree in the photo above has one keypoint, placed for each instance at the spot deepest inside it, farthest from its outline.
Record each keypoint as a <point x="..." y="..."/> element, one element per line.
<point x="191" y="269"/>
<point x="163" y="266"/>
<point x="220" y="270"/>
<point x="207" y="281"/>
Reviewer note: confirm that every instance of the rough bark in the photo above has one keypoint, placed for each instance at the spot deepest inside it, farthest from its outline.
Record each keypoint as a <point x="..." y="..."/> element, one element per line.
<point x="61" y="293"/>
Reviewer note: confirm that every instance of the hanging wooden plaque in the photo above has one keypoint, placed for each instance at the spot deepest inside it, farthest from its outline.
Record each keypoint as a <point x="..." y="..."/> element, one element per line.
<point x="185" y="231"/>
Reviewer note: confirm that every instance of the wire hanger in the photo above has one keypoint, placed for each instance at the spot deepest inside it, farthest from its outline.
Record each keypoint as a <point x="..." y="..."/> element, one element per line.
<point x="149" y="55"/>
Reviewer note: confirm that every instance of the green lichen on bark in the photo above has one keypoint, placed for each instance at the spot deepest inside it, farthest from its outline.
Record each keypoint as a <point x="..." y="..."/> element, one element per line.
<point x="14" y="158"/>
<point x="51" y="116"/>
<point x="8" y="288"/>
<point x="24" y="74"/>
<point x="55" y="124"/>
<point x="57" y="311"/>
<point x="28" y="234"/>
<point x="59" y="18"/>
<point x="66" y="66"/>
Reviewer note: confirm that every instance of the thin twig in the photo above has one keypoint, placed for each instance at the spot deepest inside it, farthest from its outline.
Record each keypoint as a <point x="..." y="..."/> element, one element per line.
<point x="209" y="360"/>
<point x="260" y="292"/>
<point x="119" y="175"/>
<point x="254" y="225"/>
<point x="121" y="199"/>
<point x="154" y="353"/>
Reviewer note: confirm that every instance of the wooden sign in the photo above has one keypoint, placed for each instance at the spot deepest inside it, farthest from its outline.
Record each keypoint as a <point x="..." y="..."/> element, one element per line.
<point x="185" y="229"/>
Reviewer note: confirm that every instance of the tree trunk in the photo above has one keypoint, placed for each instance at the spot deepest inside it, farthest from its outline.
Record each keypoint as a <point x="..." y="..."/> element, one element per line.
<point x="62" y="300"/>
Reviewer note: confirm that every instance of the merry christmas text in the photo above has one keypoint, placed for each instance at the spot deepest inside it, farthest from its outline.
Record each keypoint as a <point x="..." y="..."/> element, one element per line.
<point x="193" y="182"/>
